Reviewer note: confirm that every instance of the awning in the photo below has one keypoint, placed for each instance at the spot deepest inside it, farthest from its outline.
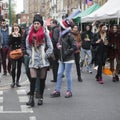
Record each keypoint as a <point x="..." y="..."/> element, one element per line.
<point x="110" y="10"/>
<point x="89" y="10"/>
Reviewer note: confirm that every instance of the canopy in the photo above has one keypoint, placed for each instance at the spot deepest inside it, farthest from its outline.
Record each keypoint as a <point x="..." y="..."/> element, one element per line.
<point x="110" y="10"/>
<point x="89" y="10"/>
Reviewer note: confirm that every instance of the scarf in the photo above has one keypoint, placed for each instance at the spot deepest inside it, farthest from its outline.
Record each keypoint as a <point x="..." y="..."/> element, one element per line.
<point x="36" y="38"/>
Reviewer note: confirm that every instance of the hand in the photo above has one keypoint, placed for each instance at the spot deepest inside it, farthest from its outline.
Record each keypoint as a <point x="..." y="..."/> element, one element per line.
<point x="98" y="41"/>
<point x="59" y="46"/>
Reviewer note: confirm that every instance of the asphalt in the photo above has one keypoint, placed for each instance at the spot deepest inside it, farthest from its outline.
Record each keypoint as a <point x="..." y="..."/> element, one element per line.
<point x="90" y="101"/>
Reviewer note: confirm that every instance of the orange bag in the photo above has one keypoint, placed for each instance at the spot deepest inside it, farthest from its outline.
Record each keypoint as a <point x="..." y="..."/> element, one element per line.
<point x="16" y="54"/>
<point x="107" y="71"/>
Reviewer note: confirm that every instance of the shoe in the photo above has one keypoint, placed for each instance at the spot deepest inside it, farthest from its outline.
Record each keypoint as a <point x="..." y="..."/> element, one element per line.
<point x="97" y="78"/>
<point x="18" y="85"/>
<point x="80" y="79"/>
<point x="10" y="73"/>
<point x="53" y="80"/>
<point x="63" y="76"/>
<point x="68" y="94"/>
<point x="40" y="101"/>
<point x="37" y="94"/>
<point x="90" y="71"/>
<point x="31" y="101"/>
<point x="12" y="85"/>
<point x="117" y="78"/>
<point x="4" y="74"/>
<point x="100" y="81"/>
<point x="55" y="94"/>
<point x="28" y="93"/>
<point x="114" y="79"/>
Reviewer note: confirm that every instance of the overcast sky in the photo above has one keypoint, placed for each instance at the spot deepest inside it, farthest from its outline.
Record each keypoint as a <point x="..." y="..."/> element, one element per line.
<point x="19" y="6"/>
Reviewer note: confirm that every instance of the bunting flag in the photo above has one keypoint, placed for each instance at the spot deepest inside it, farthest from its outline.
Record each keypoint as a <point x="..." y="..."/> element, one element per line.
<point x="89" y="2"/>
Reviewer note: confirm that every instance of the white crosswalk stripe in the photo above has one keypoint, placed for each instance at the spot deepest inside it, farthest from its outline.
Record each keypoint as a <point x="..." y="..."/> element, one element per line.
<point x="23" y="99"/>
<point x="1" y="92"/>
<point x="1" y="99"/>
<point x="32" y="118"/>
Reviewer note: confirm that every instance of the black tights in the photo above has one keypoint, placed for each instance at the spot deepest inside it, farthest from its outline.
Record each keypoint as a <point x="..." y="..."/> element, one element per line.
<point x="42" y="75"/>
<point x="16" y="64"/>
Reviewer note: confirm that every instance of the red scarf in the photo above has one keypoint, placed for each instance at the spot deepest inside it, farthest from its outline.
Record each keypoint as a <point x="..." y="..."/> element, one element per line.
<point x="38" y="36"/>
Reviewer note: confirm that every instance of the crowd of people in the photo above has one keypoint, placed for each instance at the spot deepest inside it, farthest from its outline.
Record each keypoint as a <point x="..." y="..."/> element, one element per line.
<point x="57" y="47"/>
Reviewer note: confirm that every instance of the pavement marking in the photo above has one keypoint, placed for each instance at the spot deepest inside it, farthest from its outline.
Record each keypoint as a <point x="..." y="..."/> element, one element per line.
<point x="32" y="118"/>
<point x="14" y="112"/>
<point x="1" y="108"/>
<point x="26" y="109"/>
<point x="23" y="99"/>
<point x="1" y="99"/>
<point x="21" y="92"/>
<point x="1" y="92"/>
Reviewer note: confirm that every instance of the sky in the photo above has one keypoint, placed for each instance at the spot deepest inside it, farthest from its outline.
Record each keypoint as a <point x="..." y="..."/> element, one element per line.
<point x="19" y="6"/>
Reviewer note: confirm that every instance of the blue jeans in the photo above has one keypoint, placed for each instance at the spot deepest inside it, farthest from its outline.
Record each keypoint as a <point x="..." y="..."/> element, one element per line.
<point x="83" y="53"/>
<point x="67" y="67"/>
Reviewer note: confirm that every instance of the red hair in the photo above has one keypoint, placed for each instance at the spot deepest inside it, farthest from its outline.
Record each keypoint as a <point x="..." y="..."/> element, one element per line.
<point x="37" y="35"/>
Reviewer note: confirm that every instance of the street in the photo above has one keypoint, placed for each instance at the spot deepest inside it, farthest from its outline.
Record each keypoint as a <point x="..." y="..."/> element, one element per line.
<point x="90" y="101"/>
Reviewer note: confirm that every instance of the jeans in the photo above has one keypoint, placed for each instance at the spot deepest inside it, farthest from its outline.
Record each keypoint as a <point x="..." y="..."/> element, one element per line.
<point x="83" y="53"/>
<point x="67" y="67"/>
<point x="4" y="55"/>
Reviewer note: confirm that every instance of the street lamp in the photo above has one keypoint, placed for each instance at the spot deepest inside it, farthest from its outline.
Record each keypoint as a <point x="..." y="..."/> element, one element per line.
<point x="10" y="16"/>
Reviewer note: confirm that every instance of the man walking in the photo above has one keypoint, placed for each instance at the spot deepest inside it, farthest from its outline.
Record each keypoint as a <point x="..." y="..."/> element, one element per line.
<point x="5" y="48"/>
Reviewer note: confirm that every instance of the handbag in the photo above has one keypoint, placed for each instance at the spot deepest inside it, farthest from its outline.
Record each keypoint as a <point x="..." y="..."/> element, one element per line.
<point x="16" y="54"/>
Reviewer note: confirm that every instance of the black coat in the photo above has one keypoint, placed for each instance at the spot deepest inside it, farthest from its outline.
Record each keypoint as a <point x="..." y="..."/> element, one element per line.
<point x="15" y="42"/>
<point x="68" y="47"/>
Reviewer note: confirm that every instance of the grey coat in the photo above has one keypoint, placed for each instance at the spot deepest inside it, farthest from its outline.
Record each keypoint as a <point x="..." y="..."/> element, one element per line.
<point x="39" y="57"/>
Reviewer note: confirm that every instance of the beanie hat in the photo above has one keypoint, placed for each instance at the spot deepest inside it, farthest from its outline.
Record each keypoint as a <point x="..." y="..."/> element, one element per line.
<point x="65" y="24"/>
<point x="38" y="18"/>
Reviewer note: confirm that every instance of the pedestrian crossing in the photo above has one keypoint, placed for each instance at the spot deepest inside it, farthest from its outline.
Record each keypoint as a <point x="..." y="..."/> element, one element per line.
<point x="22" y="99"/>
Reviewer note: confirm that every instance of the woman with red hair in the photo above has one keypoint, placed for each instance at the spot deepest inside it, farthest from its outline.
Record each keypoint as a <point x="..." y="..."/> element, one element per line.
<point x="39" y="48"/>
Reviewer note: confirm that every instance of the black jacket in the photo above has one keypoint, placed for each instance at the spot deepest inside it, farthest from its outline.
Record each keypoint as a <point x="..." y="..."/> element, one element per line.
<point x="55" y="37"/>
<point x="86" y="44"/>
<point x="68" y="47"/>
<point x="15" y="42"/>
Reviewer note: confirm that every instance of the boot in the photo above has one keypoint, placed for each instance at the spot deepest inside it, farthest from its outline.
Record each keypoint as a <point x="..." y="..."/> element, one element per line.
<point x="12" y="85"/>
<point x="40" y="101"/>
<point x="80" y="79"/>
<point x="31" y="101"/>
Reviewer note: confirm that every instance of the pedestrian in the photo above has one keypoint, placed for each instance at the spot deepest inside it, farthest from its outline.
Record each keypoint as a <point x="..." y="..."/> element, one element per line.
<point x="5" y="48"/>
<point x="15" y="41"/>
<point x="1" y="40"/>
<point x="39" y="48"/>
<point x="114" y="51"/>
<point x="67" y="46"/>
<point x="54" y="37"/>
<point x="77" y="38"/>
<point x="86" y="37"/>
<point x="100" y="41"/>
<point x="26" y="57"/>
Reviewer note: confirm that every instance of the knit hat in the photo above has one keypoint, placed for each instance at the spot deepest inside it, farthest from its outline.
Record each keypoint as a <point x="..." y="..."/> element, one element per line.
<point x="38" y="18"/>
<point x="65" y="24"/>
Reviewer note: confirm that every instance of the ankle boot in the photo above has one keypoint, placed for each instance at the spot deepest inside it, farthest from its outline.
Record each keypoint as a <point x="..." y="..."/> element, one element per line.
<point x="80" y="79"/>
<point x="40" y="101"/>
<point x="31" y="101"/>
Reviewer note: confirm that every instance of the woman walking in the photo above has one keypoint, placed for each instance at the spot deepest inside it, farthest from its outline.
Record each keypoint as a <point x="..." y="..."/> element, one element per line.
<point x="39" y="48"/>
<point x="67" y="46"/>
<point x="77" y="38"/>
<point x="15" y="41"/>
<point x="114" y="51"/>
<point x="100" y="43"/>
